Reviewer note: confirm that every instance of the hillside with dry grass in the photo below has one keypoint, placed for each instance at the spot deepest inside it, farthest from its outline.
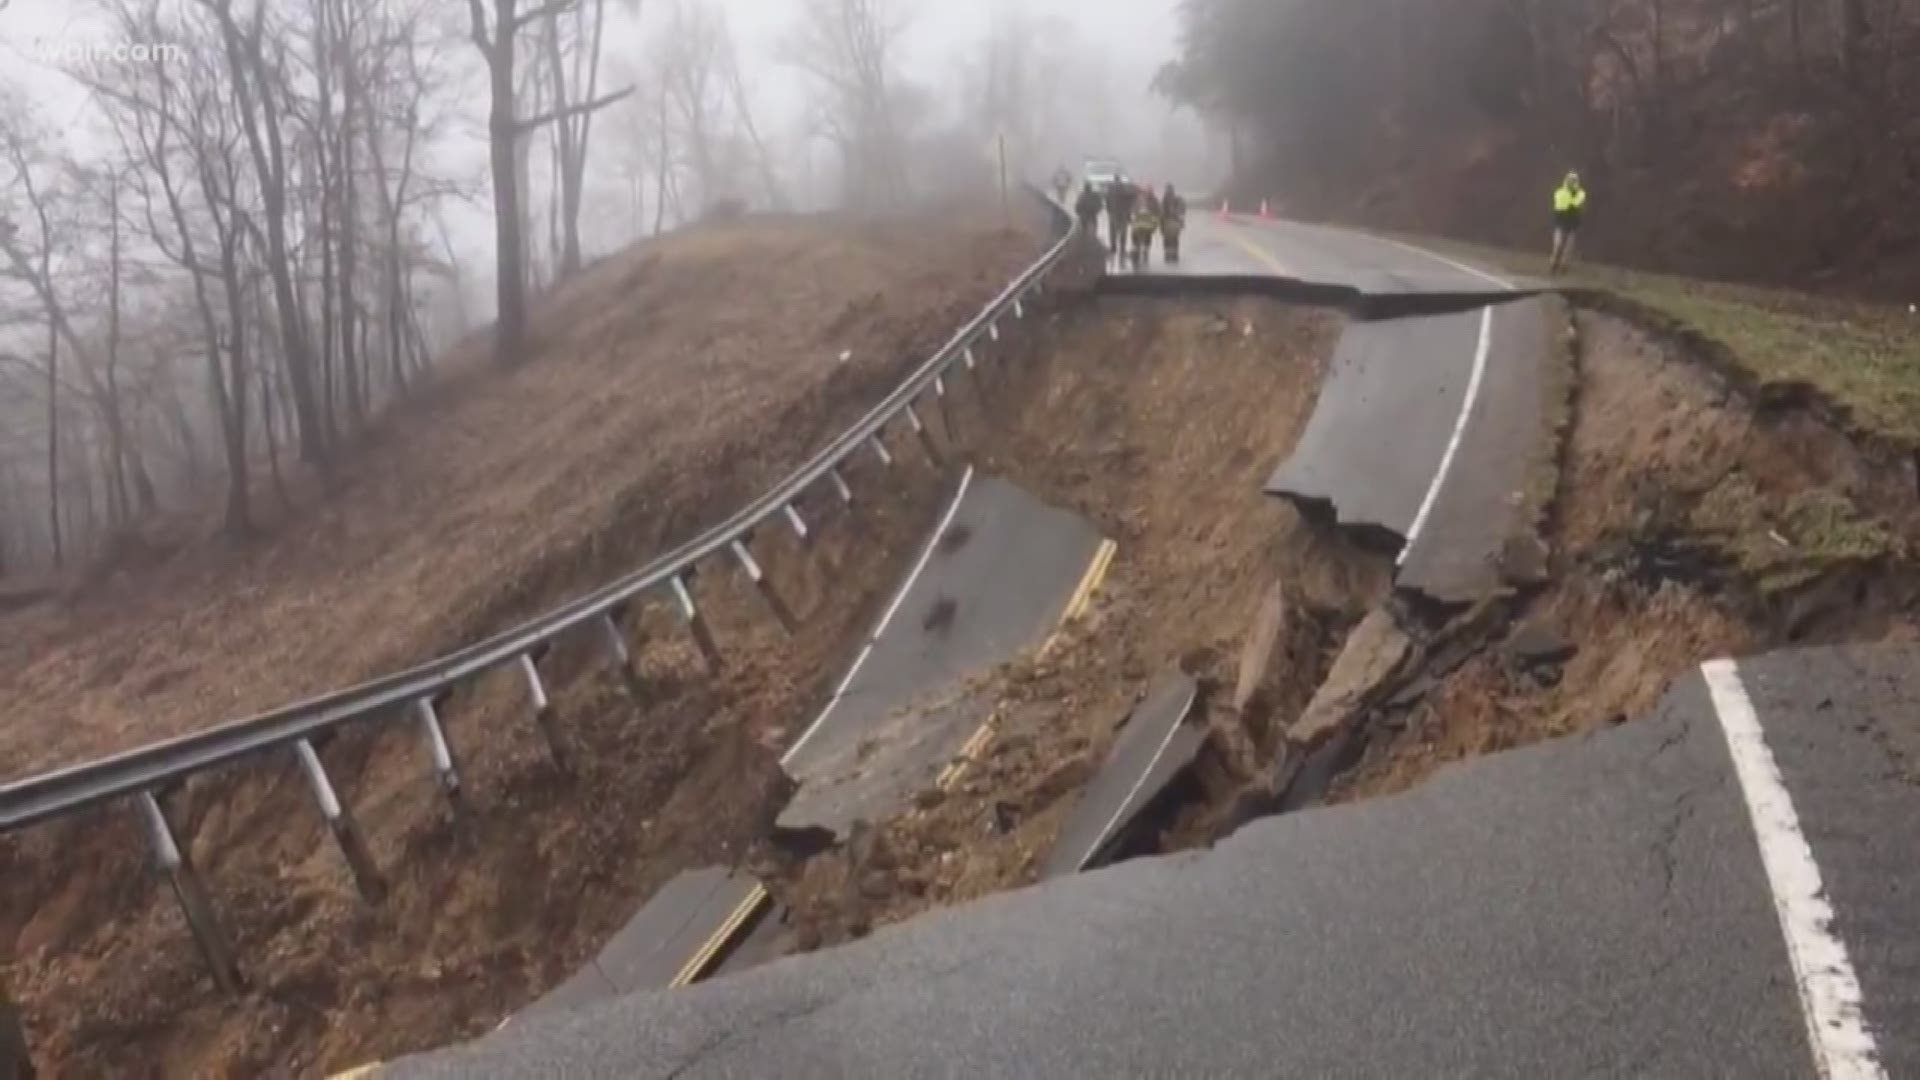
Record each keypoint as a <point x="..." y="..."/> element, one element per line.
<point x="670" y="385"/>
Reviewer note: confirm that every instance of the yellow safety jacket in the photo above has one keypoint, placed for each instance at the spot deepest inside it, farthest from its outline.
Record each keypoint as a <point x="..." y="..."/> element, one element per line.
<point x="1568" y="198"/>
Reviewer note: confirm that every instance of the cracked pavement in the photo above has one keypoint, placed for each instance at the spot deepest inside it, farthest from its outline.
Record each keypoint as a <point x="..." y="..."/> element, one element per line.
<point x="1593" y="906"/>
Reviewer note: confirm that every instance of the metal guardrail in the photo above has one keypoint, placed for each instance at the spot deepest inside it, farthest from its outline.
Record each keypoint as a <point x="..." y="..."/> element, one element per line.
<point x="144" y="773"/>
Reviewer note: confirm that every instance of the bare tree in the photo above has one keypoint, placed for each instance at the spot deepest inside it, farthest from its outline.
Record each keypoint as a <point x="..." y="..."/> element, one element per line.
<point x="848" y="47"/>
<point x="496" y="39"/>
<point x="30" y="261"/>
<point x="254" y="85"/>
<point x="686" y="53"/>
<point x="736" y="84"/>
<point x="573" y="66"/>
<point x="183" y="132"/>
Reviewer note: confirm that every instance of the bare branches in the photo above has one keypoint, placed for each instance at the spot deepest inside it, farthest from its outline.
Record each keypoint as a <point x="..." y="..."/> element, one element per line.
<point x="577" y="109"/>
<point x="847" y="47"/>
<point x="189" y="238"/>
<point x="481" y="40"/>
<point x="545" y="11"/>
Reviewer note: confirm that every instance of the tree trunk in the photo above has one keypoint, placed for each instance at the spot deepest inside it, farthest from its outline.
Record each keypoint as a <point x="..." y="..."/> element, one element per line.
<point x="347" y="213"/>
<point x="53" y="444"/>
<point x="503" y="133"/>
<point x="230" y="398"/>
<point x="261" y="125"/>
<point x="1850" y="33"/>
<point x="666" y="168"/>
<point x="1796" y="37"/>
<point x="119" y="499"/>
<point x="269" y="428"/>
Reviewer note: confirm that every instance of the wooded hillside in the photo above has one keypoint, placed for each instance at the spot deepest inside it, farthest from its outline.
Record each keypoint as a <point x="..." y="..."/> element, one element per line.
<point x="1769" y="140"/>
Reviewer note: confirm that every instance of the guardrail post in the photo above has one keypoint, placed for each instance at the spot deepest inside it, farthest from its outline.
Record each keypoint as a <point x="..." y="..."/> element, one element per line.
<point x="993" y="330"/>
<point x="840" y="486"/>
<point x="978" y="371"/>
<point x="440" y="750"/>
<point x="781" y="612"/>
<point x="169" y="859"/>
<point x="620" y="652"/>
<point x="947" y="410"/>
<point x="353" y="845"/>
<point x="1019" y="311"/>
<point x="799" y="526"/>
<point x="697" y="624"/>
<point x="880" y="449"/>
<point x="543" y="713"/>
<point x="926" y="437"/>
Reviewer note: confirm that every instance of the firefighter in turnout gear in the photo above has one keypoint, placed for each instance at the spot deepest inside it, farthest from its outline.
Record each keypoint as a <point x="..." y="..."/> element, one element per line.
<point x="1173" y="221"/>
<point x="1145" y="223"/>
<point x="1121" y="199"/>
<point x="1087" y="209"/>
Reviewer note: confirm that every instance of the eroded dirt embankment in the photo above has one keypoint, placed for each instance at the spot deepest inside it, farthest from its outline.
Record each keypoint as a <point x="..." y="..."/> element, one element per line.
<point x="1159" y="422"/>
<point x="661" y="401"/>
<point x="1668" y="520"/>
<point x="1689" y="521"/>
<point x="1678" y="521"/>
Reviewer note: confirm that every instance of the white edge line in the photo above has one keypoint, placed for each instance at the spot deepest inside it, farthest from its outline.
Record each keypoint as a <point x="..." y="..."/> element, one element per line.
<point x="1100" y="838"/>
<point x="1843" y="1048"/>
<point x="1453" y="442"/>
<point x="926" y="556"/>
<point x="1437" y="257"/>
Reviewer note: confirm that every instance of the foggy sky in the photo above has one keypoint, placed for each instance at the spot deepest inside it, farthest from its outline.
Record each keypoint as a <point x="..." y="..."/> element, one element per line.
<point x="1134" y="37"/>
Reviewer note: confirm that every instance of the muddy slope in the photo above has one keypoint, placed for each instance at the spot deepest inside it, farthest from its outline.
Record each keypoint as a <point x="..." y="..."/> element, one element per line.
<point x="670" y="385"/>
<point x="1671" y="520"/>
<point x="1689" y="522"/>
<point x="1158" y="422"/>
<point x="580" y="465"/>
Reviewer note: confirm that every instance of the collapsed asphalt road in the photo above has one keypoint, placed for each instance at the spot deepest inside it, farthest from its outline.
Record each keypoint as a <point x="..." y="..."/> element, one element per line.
<point x="1428" y="424"/>
<point x="1595" y="906"/>
<point x="904" y="713"/>
<point x="997" y="575"/>
<point x="1687" y="895"/>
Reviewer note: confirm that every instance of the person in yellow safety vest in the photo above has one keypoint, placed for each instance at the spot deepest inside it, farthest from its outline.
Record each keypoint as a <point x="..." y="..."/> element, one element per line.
<point x="1569" y="203"/>
<point x="1146" y="222"/>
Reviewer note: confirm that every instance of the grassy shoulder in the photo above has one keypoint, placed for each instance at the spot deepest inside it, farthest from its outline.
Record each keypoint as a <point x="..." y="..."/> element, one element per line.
<point x="1864" y="357"/>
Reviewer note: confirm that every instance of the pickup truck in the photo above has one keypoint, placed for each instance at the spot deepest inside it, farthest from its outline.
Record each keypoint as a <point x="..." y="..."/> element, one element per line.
<point x="1100" y="173"/>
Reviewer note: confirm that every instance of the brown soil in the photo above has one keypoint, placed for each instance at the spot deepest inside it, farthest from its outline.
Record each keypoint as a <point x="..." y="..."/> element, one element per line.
<point x="1690" y="524"/>
<point x="1681" y="516"/>
<point x="1125" y="404"/>
<point x="672" y="385"/>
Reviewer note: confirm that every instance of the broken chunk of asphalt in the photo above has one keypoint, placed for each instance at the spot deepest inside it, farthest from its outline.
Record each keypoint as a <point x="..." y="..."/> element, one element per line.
<point x="802" y="843"/>
<point x="1375" y="652"/>
<point x="1532" y="646"/>
<point x="1155" y="747"/>
<point x="1256" y="656"/>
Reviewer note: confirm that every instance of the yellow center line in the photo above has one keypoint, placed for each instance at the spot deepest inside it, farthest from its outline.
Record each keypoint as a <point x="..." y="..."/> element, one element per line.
<point x="1261" y="254"/>
<point x="1076" y="606"/>
<point x="697" y="967"/>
